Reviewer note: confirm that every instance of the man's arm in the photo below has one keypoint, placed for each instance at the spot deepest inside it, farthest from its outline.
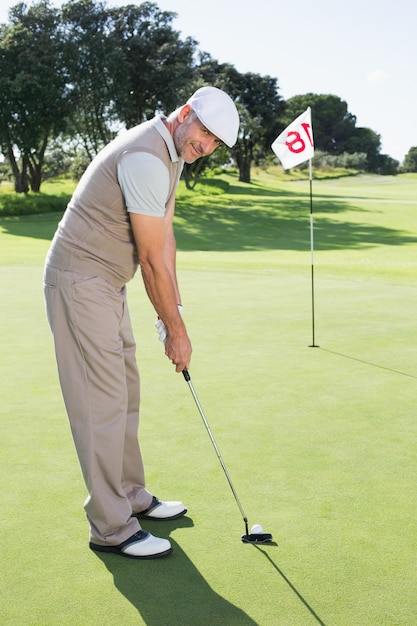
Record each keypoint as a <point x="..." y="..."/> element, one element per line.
<point x="156" y="248"/>
<point x="171" y="248"/>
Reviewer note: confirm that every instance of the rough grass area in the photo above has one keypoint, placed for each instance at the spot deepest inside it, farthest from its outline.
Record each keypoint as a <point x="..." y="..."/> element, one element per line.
<point x="53" y="198"/>
<point x="319" y="442"/>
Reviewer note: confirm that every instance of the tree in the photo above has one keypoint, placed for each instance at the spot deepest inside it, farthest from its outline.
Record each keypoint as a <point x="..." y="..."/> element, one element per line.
<point x="387" y="166"/>
<point x="84" y="76"/>
<point x="335" y="131"/>
<point x="93" y="61"/>
<point x="367" y="141"/>
<point x="333" y="125"/>
<point x="125" y="64"/>
<point x="156" y="67"/>
<point x="33" y="95"/>
<point x="260" y="107"/>
<point x="249" y="136"/>
<point x="410" y="161"/>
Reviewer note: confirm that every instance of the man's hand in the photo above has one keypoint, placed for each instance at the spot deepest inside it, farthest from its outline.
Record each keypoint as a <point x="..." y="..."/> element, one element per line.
<point x="178" y="350"/>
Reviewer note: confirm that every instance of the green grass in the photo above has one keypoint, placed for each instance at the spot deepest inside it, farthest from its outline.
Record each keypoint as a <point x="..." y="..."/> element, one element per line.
<point x="319" y="442"/>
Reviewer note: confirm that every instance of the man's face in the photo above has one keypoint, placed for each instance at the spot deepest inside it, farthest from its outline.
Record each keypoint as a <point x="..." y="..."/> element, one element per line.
<point x="193" y="140"/>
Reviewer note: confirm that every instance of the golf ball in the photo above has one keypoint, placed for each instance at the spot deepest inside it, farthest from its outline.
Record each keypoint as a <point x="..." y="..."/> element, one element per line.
<point x="256" y="529"/>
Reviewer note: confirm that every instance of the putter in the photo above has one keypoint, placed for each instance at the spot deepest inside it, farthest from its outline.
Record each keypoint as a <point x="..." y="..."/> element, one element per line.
<point x="253" y="537"/>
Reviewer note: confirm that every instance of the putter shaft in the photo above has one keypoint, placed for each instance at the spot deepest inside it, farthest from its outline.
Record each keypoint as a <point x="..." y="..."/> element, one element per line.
<point x="187" y="377"/>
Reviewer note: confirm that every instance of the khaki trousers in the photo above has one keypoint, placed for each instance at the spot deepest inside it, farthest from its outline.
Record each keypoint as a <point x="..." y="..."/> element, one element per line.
<point x="95" y="352"/>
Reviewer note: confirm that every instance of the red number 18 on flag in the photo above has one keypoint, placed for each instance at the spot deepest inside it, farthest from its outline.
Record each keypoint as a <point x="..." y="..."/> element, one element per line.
<point x="297" y="144"/>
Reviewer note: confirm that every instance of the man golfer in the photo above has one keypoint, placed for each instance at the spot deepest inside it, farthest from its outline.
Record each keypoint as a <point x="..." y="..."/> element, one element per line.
<point x="121" y="216"/>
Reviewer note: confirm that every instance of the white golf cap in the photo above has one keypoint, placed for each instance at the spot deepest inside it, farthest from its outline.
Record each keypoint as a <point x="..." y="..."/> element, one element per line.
<point x="217" y="111"/>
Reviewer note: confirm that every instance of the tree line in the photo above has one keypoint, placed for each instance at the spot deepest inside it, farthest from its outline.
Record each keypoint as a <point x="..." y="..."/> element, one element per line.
<point x="72" y="78"/>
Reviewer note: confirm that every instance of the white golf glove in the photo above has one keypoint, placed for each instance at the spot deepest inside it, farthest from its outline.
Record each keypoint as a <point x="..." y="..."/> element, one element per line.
<point x="160" y="326"/>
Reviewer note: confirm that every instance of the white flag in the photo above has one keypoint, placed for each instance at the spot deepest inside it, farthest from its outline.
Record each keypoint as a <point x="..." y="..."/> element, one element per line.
<point x="295" y="144"/>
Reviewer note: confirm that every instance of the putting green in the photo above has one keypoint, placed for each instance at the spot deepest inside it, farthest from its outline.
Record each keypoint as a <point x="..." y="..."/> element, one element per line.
<point x="319" y="442"/>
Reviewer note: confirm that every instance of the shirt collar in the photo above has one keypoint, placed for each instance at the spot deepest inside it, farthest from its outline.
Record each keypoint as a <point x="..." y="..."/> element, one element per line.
<point x="166" y="136"/>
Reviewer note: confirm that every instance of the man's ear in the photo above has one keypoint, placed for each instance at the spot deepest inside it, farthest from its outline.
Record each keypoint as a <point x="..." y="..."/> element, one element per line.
<point x="184" y="113"/>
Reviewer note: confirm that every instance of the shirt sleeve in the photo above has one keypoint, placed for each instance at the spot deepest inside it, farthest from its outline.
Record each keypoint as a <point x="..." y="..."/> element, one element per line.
<point x="144" y="181"/>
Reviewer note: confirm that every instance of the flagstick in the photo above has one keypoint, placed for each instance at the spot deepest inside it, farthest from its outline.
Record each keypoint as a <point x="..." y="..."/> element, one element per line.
<point x="293" y="146"/>
<point x="313" y="345"/>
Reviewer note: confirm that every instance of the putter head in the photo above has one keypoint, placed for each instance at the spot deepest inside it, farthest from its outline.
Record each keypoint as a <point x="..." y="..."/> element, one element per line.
<point x="257" y="538"/>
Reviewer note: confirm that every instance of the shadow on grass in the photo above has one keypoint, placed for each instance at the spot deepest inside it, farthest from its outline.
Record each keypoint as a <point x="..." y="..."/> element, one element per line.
<point x="289" y="583"/>
<point x="171" y="590"/>
<point x="286" y="227"/>
<point x="243" y="225"/>
<point x="382" y="367"/>
<point x="41" y="226"/>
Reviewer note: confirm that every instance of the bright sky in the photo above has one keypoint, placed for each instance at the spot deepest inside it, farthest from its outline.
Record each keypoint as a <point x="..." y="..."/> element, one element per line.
<point x="364" y="51"/>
